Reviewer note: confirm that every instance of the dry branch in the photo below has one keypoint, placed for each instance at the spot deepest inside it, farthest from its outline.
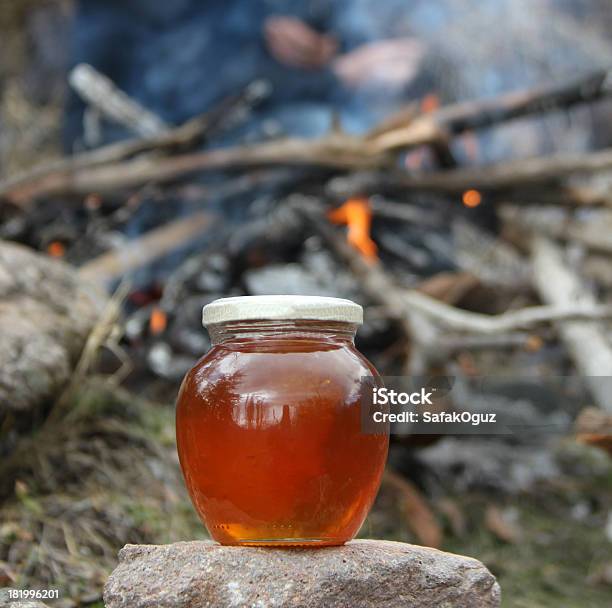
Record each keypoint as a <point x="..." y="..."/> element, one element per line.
<point x="139" y="252"/>
<point x="506" y="176"/>
<point x="55" y="177"/>
<point x="560" y="286"/>
<point x="448" y="346"/>
<point x="460" y="320"/>
<point x="336" y="151"/>
<point x="478" y="114"/>
<point x="594" y="233"/>
<point x="101" y="92"/>
<point x="491" y="259"/>
<point x="344" y="152"/>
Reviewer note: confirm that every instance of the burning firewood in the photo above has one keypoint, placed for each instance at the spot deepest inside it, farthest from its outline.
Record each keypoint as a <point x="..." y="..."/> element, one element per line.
<point x="382" y="288"/>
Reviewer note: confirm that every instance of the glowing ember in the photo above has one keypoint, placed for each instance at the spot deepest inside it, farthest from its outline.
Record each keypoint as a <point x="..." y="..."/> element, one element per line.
<point x="157" y="321"/>
<point x="357" y="215"/>
<point x="430" y="103"/>
<point x="534" y="344"/>
<point x="472" y="198"/>
<point x="56" y="249"/>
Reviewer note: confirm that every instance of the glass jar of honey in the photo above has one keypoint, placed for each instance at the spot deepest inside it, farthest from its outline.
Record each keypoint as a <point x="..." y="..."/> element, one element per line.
<point x="268" y="423"/>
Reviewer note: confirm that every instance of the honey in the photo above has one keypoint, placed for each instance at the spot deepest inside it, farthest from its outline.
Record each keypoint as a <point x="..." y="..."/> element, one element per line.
<point x="269" y="428"/>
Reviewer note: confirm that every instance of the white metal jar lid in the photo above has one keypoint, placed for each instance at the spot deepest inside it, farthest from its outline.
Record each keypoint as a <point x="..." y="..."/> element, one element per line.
<point x="251" y="308"/>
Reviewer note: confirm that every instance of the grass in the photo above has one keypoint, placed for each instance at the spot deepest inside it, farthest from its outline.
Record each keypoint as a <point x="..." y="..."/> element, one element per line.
<point x="102" y="476"/>
<point x="550" y="567"/>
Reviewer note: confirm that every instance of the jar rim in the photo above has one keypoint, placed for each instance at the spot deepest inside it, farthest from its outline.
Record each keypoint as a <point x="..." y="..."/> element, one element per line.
<point x="281" y="307"/>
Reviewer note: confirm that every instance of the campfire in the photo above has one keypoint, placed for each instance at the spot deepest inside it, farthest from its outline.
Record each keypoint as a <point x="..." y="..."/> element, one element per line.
<point x="339" y="215"/>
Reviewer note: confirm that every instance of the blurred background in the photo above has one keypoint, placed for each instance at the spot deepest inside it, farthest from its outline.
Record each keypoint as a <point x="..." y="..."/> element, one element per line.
<point x="447" y="165"/>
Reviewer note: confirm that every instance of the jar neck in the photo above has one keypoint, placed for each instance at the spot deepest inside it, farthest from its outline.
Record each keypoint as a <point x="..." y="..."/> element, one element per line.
<point x="307" y="330"/>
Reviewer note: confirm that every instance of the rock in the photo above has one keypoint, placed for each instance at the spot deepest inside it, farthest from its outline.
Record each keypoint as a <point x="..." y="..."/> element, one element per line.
<point x="363" y="573"/>
<point x="46" y="314"/>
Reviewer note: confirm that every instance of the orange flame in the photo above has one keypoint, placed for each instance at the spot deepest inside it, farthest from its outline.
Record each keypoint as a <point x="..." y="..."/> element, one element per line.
<point x="472" y="198"/>
<point x="56" y="249"/>
<point x="356" y="213"/>
<point x="157" y="321"/>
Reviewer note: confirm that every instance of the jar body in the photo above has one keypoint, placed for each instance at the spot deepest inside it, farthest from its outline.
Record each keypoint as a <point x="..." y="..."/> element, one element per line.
<point x="270" y="441"/>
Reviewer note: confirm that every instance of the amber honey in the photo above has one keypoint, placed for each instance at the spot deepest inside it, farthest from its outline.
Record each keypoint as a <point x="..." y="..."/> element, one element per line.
<point x="269" y="434"/>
